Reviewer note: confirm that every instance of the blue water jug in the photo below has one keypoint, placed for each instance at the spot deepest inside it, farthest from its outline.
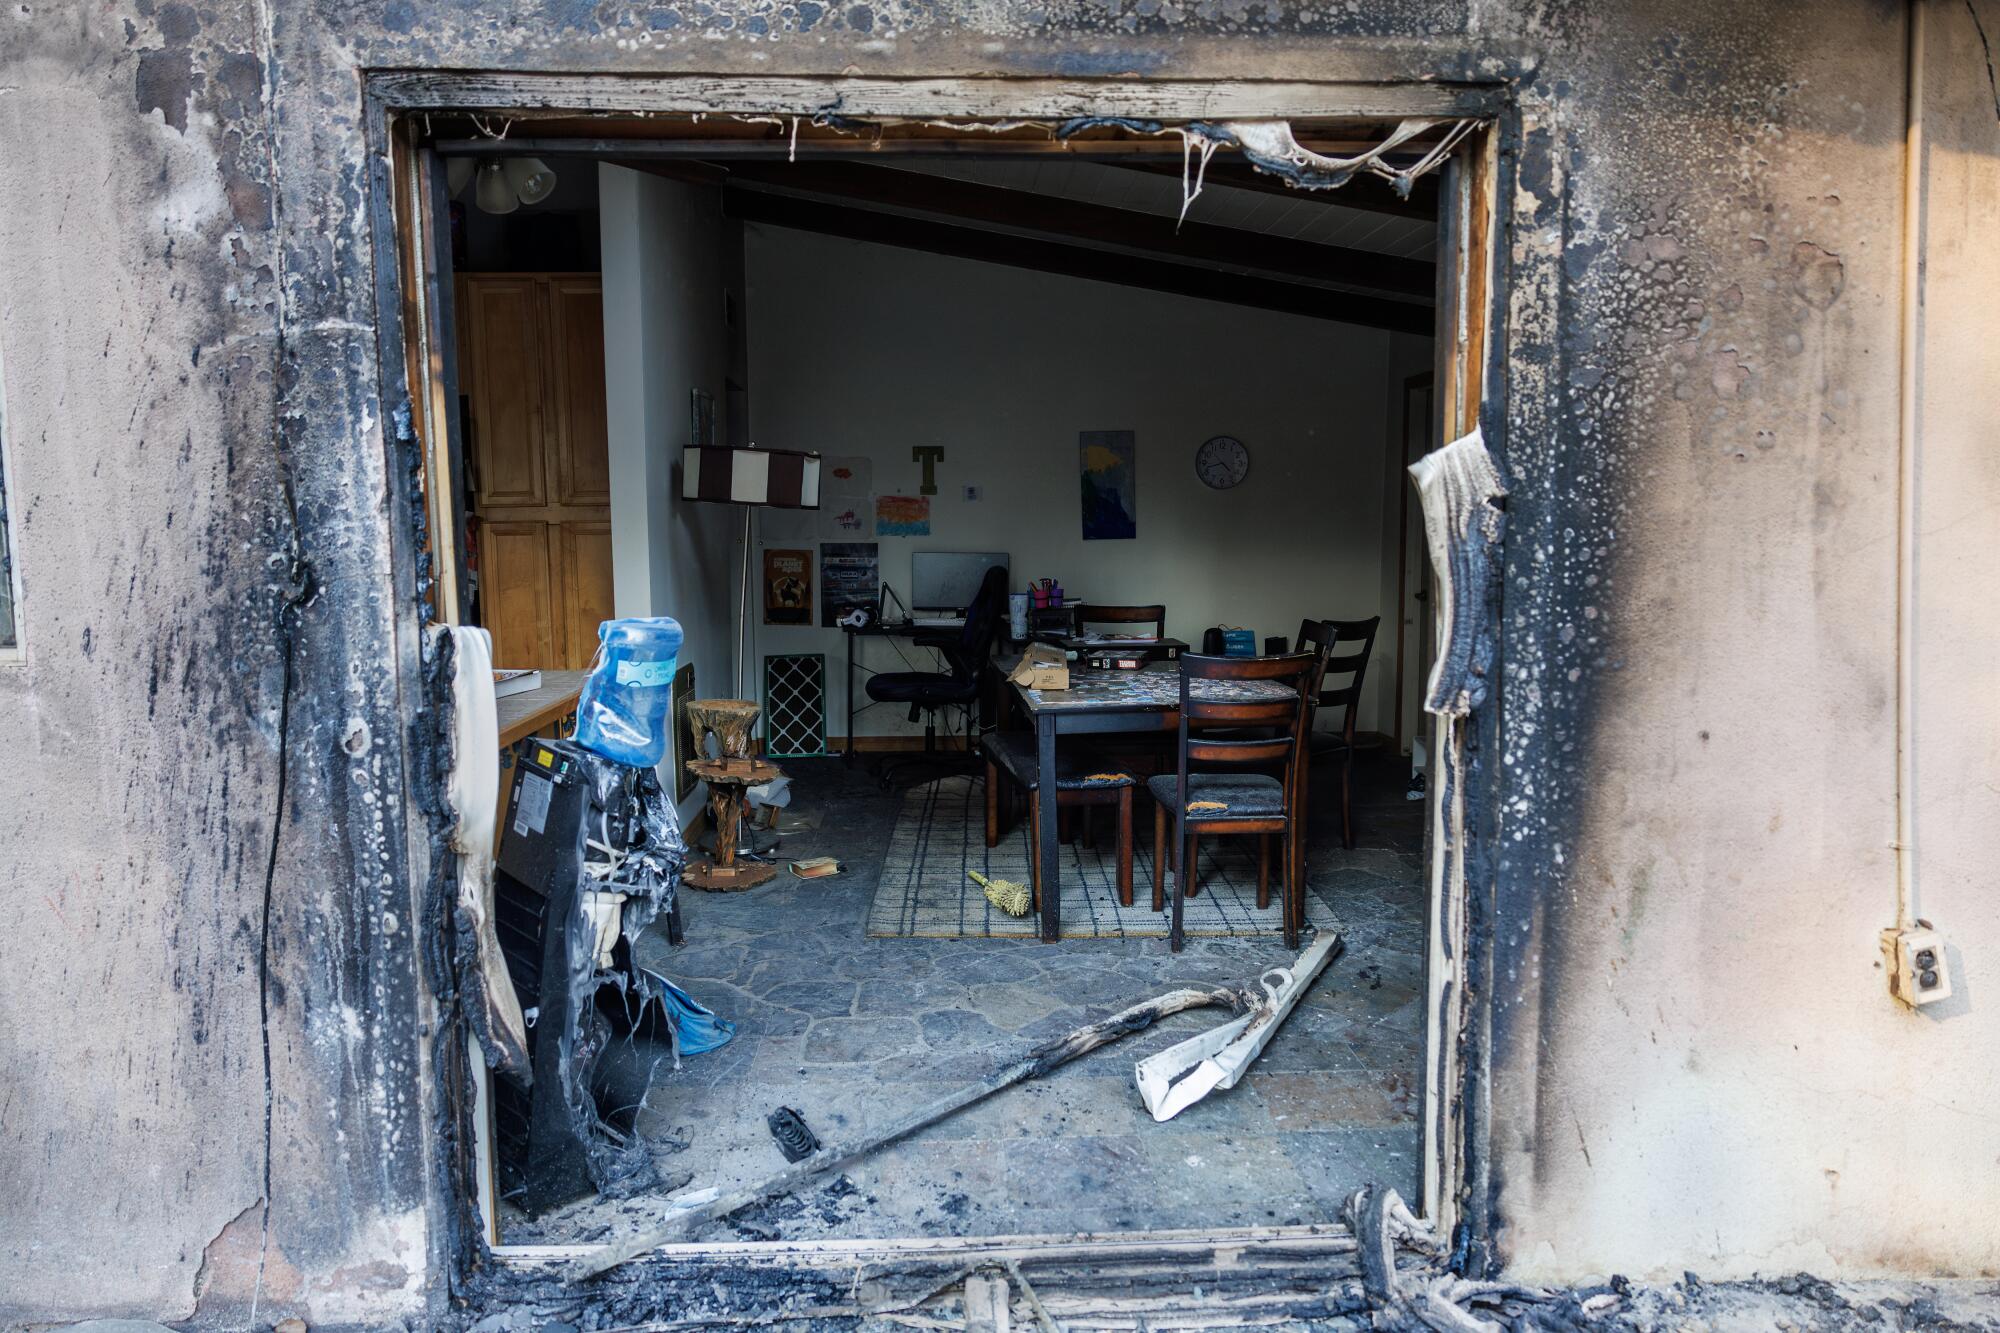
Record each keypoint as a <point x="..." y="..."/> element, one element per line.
<point x="624" y="712"/>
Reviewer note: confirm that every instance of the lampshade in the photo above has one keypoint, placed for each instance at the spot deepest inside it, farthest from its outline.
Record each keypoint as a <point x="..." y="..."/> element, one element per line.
<point x="780" y="478"/>
<point x="493" y="193"/>
<point x="457" y="175"/>
<point x="531" y="179"/>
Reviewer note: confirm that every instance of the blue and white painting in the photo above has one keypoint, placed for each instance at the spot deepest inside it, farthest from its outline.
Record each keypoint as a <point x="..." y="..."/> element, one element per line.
<point x="1110" y="487"/>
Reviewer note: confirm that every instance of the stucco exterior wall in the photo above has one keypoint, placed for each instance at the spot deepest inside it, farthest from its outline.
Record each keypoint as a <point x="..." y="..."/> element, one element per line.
<point x="1696" y="1064"/>
<point x="190" y="399"/>
<point x="1697" y="1061"/>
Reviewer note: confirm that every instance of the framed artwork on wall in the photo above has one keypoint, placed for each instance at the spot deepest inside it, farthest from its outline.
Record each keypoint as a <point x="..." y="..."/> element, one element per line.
<point x="788" y="587"/>
<point x="850" y="576"/>
<point x="903" y="516"/>
<point x="1110" y="491"/>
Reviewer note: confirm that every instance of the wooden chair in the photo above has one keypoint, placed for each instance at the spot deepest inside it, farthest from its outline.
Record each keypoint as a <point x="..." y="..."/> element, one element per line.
<point x="1353" y="667"/>
<point x="1141" y="752"/>
<point x="1093" y="614"/>
<point x="1054" y="619"/>
<point x="1315" y="637"/>
<point x="1079" y="782"/>
<point x="1238" y="800"/>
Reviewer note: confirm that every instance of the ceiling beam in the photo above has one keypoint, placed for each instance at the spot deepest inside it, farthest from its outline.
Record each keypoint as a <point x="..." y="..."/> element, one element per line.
<point x="1075" y="261"/>
<point x="778" y="148"/>
<point x="1369" y="194"/>
<point x="1069" y="219"/>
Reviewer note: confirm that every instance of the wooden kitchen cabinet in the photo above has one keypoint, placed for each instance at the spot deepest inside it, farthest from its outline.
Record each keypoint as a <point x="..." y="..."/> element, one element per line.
<point x="531" y="351"/>
<point x="583" y="577"/>
<point x="517" y="601"/>
<point x="581" y="465"/>
<point x="505" y="343"/>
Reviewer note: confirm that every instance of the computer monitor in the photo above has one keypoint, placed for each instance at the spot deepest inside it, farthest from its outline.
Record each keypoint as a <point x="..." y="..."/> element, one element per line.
<point x="947" y="581"/>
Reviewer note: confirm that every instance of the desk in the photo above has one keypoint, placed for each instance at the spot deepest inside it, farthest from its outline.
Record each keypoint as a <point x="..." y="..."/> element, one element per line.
<point x="896" y="630"/>
<point x="1097" y="702"/>
<point x="527" y="713"/>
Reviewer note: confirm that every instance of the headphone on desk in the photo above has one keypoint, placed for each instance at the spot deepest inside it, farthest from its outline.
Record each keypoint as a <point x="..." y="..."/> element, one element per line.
<point x="861" y="617"/>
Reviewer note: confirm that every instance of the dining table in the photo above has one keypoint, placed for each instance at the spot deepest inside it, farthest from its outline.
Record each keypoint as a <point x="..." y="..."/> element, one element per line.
<point x="1106" y="702"/>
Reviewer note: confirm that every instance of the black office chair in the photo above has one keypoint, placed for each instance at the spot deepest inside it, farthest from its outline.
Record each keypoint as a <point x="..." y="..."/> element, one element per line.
<point x="926" y="692"/>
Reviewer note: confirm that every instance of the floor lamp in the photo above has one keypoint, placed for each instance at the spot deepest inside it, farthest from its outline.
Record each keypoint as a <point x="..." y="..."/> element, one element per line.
<point x="753" y="478"/>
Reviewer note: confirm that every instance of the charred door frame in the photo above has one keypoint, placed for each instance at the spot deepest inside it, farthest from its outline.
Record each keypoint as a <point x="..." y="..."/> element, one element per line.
<point x="1499" y="257"/>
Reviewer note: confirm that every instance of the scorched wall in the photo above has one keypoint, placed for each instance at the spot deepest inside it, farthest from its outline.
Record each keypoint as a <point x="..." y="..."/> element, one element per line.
<point x="1695" y="1062"/>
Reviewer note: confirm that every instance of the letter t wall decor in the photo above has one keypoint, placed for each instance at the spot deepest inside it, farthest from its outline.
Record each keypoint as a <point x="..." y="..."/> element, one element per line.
<point x="930" y="455"/>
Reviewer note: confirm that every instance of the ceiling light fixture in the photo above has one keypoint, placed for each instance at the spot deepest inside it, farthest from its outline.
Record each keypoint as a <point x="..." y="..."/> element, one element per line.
<point x="504" y="184"/>
<point x="531" y="178"/>
<point x="493" y="194"/>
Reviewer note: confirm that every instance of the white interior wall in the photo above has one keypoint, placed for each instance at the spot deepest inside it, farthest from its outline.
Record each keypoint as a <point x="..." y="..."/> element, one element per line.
<point x="665" y="335"/>
<point x="865" y="349"/>
<point x="1402" y="543"/>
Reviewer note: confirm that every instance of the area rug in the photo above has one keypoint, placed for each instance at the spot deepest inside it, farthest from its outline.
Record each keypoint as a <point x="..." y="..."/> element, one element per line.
<point x="940" y="837"/>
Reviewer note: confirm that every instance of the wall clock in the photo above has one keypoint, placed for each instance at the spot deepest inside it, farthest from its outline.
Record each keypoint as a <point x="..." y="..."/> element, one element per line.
<point x="1222" y="462"/>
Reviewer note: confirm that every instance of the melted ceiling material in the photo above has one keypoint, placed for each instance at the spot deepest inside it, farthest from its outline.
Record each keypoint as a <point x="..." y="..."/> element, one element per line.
<point x="1269" y="145"/>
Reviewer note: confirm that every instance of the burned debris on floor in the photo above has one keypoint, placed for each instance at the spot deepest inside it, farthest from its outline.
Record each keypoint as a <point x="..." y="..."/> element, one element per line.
<point x="1319" y="1285"/>
<point x="794" y="1137"/>
<point x="695" y="1212"/>
<point x="785" y="964"/>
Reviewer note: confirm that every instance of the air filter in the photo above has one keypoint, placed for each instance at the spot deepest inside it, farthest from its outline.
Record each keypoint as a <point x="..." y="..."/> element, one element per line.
<point x="795" y="705"/>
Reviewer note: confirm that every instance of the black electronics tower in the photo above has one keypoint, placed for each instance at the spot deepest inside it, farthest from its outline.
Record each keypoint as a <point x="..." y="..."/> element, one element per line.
<point x="550" y="1147"/>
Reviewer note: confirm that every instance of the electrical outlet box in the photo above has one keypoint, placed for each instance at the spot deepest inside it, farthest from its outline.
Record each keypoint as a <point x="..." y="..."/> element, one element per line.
<point x="1915" y="958"/>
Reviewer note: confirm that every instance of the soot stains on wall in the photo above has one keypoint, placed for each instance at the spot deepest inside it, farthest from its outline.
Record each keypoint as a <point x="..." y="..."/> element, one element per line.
<point x="223" y="846"/>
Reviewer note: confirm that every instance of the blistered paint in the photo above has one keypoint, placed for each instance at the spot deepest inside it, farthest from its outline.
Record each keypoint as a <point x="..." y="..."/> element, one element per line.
<point x="1696" y="1060"/>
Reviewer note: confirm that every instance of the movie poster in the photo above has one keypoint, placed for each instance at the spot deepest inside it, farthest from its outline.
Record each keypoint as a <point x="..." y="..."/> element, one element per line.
<point x="788" y="598"/>
<point x="850" y="576"/>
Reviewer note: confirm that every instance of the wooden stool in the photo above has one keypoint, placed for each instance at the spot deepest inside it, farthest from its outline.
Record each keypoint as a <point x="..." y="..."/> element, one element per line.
<point x="728" y="780"/>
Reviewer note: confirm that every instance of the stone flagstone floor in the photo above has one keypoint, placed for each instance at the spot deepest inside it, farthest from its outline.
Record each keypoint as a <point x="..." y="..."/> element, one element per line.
<point x="851" y="1031"/>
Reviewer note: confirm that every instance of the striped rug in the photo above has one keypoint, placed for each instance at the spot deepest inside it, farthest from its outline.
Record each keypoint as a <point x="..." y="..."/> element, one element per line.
<point x="940" y="835"/>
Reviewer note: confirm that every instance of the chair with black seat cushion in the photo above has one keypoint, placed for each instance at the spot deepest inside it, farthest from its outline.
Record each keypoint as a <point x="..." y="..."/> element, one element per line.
<point x="1349" y="666"/>
<point x="965" y="654"/>
<point x="1265" y="733"/>
<point x="1315" y="637"/>
<point x="1080" y="781"/>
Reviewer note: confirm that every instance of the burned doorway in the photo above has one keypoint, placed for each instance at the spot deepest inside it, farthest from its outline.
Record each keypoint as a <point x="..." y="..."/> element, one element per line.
<point x="848" y="1022"/>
